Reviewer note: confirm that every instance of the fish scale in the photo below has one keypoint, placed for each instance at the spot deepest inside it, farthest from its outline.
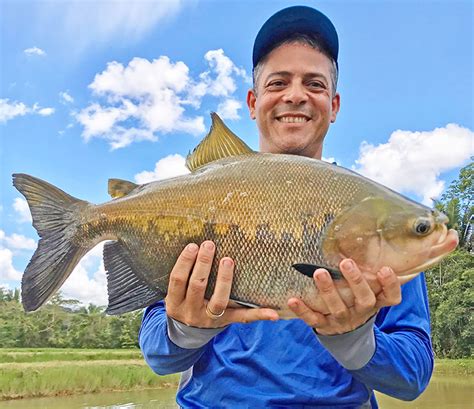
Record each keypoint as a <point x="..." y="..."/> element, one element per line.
<point x="265" y="215"/>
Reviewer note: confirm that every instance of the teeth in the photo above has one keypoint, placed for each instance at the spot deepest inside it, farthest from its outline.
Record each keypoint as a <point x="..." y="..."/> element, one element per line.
<point x="292" y="119"/>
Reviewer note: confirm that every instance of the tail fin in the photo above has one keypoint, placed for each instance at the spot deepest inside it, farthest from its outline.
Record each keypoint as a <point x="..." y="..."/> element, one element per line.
<point x="55" y="217"/>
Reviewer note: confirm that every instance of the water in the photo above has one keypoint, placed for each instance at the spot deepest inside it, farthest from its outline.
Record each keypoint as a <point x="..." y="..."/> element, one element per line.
<point x="444" y="392"/>
<point x="145" y="399"/>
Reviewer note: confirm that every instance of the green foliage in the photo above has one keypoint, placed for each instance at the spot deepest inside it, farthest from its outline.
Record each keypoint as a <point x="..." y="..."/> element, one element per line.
<point x="58" y="377"/>
<point x="451" y="296"/>
<point x="57" y="325"/>
<point x="450" y="283"/>
<point x="30" y="355"/>
<point x="458" y="204"/>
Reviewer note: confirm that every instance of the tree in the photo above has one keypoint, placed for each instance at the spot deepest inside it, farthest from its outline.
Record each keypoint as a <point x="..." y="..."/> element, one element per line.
<point x="458" y="204"/>
<point x="451" y="283"/>
<point x="451" y="297"/>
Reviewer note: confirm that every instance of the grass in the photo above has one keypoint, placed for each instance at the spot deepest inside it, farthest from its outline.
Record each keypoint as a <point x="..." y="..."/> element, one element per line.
<point x="454" y="367"/>
<point x="55" y="372"/>
<point x="56" y="354"/>
<point x="26" y="373"/>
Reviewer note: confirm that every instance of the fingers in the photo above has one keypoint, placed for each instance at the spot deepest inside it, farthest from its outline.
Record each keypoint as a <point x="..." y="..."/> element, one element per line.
<point x="330" y="296"/>
<point x="220" y="298"/>
<point x="179" y="276"/>
<point x="312" y="318"/>
<point x="199" y="277"/>
<point x="391" y="288"/>
<point x="246" y="315"/>
<point x="364" y="297"/>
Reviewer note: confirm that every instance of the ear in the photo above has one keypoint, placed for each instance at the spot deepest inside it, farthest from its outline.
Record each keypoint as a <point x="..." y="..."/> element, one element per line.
<point x="251" y="101"/>
<point x="335" y="106"/>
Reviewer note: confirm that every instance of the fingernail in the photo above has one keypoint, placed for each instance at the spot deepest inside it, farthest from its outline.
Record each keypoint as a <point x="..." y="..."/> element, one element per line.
<point x="192" y="247"/>
<point x="227" y="262"/>
<point x="320" y="276"/>
<point x="385" y="272"/>
<point x="209" y="245"/>
<point x="274" y="316"/>
<point x="348" y="265"/>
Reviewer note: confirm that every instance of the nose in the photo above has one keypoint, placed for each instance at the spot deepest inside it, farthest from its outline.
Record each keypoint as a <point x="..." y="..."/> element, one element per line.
<point x="295" y="94"/>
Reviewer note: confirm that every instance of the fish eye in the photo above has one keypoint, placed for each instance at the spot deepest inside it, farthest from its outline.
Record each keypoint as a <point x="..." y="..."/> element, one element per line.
<point x="422" y="226"/>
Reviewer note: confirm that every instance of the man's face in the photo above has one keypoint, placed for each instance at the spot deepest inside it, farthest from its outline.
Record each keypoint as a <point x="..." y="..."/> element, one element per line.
<point x="293" y="102"/>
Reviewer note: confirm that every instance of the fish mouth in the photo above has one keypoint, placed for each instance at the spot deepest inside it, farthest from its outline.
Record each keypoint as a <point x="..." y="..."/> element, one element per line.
<point x="447" y="242"/>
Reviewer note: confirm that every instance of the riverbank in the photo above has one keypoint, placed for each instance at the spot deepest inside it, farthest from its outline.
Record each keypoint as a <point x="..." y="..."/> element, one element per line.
<point x="26" y="373"/>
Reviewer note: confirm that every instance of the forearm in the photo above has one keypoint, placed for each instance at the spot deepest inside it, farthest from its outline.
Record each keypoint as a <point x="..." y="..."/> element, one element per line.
<point x="394" y="354"/>
<point x="401" y="365"/>
<point x="169" y="346"/>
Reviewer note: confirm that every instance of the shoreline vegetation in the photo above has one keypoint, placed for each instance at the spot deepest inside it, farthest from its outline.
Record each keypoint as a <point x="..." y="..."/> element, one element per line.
<point x="42" y="372"/>
<point x="49" y="372"/>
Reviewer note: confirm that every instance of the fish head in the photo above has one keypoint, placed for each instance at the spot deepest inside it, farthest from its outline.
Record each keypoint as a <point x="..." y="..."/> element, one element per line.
<point x="389" y="231"/>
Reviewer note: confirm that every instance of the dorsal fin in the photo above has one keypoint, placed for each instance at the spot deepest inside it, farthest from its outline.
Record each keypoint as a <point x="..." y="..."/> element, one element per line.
<point x="219" y="143"/>
<point x="119" y="188"/>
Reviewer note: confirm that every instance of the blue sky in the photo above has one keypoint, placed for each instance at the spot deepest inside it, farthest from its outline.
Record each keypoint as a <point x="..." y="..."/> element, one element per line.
<point x="96" y="89"/>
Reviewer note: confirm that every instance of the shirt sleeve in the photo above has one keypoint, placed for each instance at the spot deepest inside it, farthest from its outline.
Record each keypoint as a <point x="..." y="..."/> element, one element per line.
<point x="169" y="346"/>
<point x="402" y="363"/>
<point x="353" y="349"/>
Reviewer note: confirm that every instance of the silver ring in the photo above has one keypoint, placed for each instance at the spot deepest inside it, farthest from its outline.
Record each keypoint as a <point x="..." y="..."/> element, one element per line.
<point x="212" y="315"/>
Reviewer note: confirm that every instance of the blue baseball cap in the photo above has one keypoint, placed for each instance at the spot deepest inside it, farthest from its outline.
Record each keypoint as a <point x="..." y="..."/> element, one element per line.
<point x="296" y="20"/>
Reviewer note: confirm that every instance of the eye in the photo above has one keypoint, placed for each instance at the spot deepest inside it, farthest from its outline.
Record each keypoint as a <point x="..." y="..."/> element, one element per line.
<point x="315" y="84"/>
<point x="422" y="226"/>
<point x="276" y="84"/>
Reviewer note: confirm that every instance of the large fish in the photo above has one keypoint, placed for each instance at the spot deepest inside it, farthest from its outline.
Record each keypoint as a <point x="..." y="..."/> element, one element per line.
<point x="278" y="216"/>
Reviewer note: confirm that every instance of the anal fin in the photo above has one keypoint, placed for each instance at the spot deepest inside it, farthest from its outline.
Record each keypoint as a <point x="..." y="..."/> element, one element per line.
<point x="126" y="290"/>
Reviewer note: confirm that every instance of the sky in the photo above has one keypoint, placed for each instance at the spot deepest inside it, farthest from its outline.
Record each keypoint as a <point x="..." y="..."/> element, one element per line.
<point x="92" y="90"/>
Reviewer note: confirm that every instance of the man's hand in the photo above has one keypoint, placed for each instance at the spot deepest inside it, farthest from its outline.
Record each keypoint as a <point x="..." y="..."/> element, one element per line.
<point x="367" y="301"/>
<point x="187" y="285"/>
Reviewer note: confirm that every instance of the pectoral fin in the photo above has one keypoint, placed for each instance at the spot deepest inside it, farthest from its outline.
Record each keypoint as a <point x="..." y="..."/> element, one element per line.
<point x="235" y="303"/>
<point x="309" y="269"/>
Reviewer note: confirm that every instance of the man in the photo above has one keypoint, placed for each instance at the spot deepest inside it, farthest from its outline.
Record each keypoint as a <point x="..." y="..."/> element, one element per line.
<point x="237" y="358"/>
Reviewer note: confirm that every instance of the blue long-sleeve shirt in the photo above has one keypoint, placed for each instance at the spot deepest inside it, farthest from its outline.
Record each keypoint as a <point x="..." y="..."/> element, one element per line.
<point x="283" y="364"/>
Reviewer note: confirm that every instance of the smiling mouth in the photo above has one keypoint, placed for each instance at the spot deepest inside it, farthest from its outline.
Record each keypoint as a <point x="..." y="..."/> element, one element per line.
<point x="293" y="119"/>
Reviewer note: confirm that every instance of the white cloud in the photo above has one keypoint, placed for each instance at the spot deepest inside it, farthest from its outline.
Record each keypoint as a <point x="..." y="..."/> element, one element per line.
<point x="23" y="211"/>
<point x="412" y="162"/>
<point x="9" y="110"/>
<point x="170" y="166"/>
<point x="329" y="160"/>
<point x="222" y="66"/>
<point x="17" y="241"/>
<point x="65" y="97"/>
<point x="146" y="98"/>
<point x="45" y="111"/>
<point x="229" y="109"/>
<point x="34" y="51"/>
<point x="7" y="271"/>
<point x="102" y="22"/>
<point x="88" y="283"/>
